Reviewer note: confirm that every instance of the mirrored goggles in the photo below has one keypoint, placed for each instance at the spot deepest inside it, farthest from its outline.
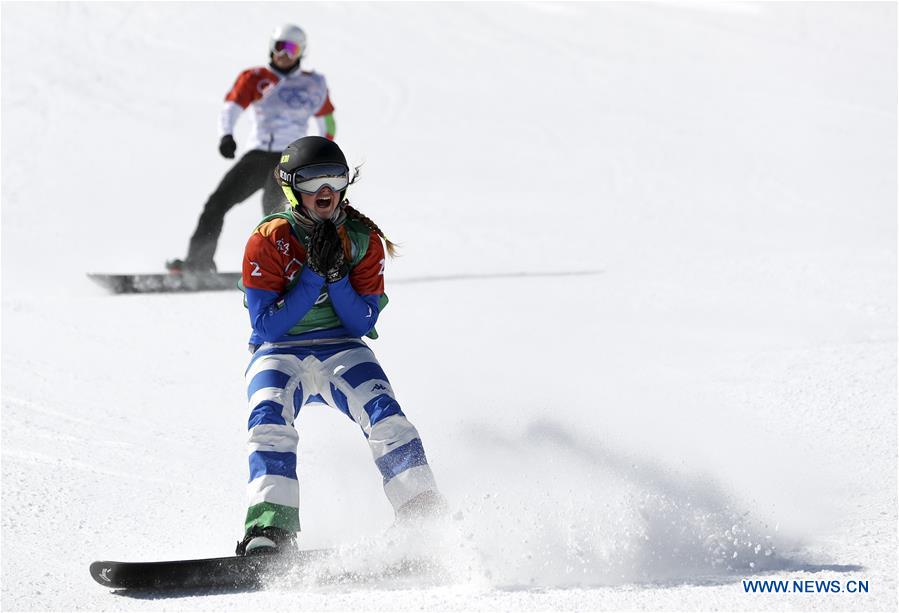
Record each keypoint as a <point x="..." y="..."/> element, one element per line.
<point x="289" y="47"/>
<point x="310" y="179"/>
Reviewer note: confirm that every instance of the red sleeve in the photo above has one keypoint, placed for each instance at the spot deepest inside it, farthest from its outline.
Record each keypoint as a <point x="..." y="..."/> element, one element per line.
<point x="367" y="277"/>
<point x="261" y="265"/>
<point x="250" y="85"/>
<point x="273" y="257"/>
<point x="327" y="107"/>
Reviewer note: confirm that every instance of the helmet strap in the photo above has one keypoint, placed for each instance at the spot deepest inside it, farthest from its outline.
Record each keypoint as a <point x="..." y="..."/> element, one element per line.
<point x="291" y="197"/>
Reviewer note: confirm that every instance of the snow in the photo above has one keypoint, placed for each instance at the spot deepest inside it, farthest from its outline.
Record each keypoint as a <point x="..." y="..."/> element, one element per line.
<point x="645" y="315"/>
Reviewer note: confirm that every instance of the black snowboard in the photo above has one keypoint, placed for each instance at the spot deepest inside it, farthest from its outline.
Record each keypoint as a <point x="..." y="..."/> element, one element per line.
<point x="167" y="282"/>
<point x="230" y="572"/>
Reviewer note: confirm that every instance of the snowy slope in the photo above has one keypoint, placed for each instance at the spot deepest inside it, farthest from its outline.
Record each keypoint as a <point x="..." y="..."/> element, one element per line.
<point x="711" y="397"/>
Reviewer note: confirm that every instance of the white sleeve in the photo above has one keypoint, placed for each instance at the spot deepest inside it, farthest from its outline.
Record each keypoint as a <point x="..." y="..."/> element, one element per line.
<point x="228" y="117"/>
<point x="322" y="129"/>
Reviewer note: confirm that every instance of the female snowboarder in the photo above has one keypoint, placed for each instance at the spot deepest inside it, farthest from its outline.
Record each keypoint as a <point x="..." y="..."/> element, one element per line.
<point x="313" y="278"/>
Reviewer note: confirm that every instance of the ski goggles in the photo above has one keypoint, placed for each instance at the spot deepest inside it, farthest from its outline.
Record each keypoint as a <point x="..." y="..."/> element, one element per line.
<point x="310" y="179"/>
<point x="289" y="47"/>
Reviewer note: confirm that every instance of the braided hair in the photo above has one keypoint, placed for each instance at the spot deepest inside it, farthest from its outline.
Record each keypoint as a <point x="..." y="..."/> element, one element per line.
<point x="353" y="213"/>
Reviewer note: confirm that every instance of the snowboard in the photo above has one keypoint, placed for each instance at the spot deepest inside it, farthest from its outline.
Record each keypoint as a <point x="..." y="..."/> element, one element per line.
<point x="166" y="282"/>
<point x="237" y="572"/>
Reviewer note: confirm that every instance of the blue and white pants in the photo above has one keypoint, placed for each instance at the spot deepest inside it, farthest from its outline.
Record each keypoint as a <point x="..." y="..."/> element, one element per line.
<point x="281" y="379"/>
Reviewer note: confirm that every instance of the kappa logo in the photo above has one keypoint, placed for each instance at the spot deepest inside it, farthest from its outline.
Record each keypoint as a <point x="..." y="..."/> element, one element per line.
<point x="283" y="246"/>
<point x="378" y="386"/>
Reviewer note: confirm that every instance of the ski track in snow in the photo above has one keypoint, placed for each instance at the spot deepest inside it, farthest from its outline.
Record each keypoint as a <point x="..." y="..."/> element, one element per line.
<point x="644" y="318"/>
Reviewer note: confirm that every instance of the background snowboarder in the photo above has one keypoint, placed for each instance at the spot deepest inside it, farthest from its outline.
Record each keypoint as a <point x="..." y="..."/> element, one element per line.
<point x="283" y="99"/>
<point x="314" y="283"/>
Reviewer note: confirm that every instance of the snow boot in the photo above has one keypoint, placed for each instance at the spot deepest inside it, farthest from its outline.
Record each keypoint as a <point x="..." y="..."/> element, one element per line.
<point x="178" y="266"/>
<point x="266" y="541"/>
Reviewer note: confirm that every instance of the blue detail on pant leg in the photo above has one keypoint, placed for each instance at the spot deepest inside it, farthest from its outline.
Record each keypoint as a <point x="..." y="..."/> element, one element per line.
<point x="380" y="407"/>
<point x="267" y="378"/>
<point x="297" y="400"/>
<point x="316" y="398"/>
<point x="266" y="412"/>
<point x="360" y="373"/>
<point x="341" y="401"/>
<point x="402" y="458"/>
<point x="282" y="463"/>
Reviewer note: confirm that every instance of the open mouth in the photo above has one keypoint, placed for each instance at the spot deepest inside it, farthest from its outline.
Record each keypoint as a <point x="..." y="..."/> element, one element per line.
<point x="323" y="201"/>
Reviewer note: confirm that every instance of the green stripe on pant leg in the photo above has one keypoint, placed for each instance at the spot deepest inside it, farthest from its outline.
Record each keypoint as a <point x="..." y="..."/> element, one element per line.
<point x="269" y="514"/>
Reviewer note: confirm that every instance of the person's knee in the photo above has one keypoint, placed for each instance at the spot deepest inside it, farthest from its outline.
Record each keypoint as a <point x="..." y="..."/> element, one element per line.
<point x="218" y="203"/>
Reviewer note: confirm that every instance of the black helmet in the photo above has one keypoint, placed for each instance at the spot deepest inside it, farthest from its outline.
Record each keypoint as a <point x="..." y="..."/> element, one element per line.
<point x="319" y="157"/>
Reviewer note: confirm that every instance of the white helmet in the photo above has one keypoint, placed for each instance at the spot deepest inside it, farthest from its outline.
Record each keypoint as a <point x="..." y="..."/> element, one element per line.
<point x="288" y="33"/>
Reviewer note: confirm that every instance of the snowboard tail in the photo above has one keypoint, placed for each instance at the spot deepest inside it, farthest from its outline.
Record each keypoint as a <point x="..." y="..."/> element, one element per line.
<point x="166" y="282"/>
<point x="229" y="572"/>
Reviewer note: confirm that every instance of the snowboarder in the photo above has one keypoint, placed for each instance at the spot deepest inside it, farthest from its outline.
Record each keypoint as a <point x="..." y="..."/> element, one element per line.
<point x="283" y="99"/>
<point x="313" y="278"/>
